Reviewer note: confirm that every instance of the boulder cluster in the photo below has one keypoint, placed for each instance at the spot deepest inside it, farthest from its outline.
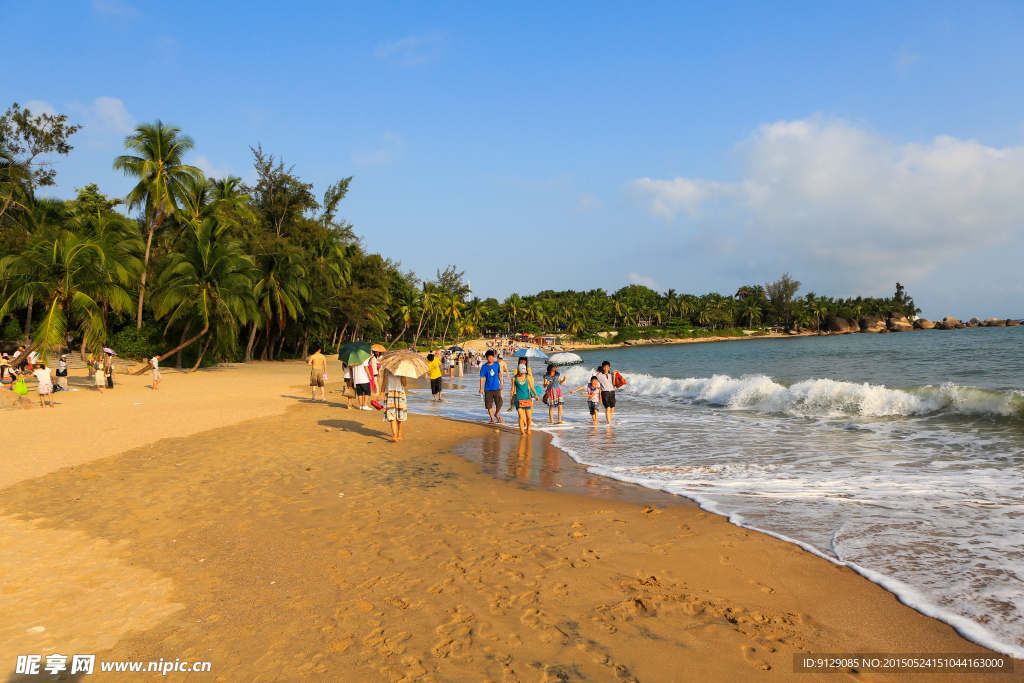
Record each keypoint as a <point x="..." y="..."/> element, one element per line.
<point x="897" y="322"/>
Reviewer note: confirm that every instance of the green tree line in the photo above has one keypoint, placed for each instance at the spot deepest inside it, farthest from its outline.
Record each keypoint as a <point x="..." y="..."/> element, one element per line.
<point x="213" y="269"/>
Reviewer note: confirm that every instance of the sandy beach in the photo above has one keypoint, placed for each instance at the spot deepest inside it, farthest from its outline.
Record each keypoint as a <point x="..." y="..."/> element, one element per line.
<point x="226" y="518"/>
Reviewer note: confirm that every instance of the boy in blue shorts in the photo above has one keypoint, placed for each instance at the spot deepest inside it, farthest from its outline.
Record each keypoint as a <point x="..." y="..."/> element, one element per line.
<point x="592" y="390"/>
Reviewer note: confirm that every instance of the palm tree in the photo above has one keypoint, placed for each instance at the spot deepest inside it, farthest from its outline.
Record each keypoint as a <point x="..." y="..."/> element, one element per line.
<point x="74" y="272"/>
<point x="751" y="310"/>
<point x="475" y="312"/>
<point x="513" y="308"/>
<point x="162" y="175"/>
<point x="425" y="300"/>
<point x="452" y="308"/>
<point x="702" y="312"/>
<point x="280" y="292"/>
<point x="671" y="302"/>
<point x="403" y="311"/>
<point x="209" y="282"/>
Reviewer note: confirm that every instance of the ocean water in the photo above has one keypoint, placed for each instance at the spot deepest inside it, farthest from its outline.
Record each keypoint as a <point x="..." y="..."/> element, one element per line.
<point x="899" y="455"/>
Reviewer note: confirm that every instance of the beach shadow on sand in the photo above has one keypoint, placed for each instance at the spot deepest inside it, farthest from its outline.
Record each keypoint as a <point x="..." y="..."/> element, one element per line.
<point x="357" y="427"/>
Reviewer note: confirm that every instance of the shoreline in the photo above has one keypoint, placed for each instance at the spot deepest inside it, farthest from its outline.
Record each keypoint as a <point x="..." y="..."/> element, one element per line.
<point x="431" y="468"/>
<point x="582" y="482"/>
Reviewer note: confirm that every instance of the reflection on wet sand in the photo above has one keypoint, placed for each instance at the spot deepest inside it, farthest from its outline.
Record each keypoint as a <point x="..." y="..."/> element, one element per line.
<point x="533" y="461"/>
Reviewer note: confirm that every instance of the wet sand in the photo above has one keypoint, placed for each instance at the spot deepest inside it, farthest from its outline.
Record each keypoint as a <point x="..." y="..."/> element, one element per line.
<point x="303" y="545"/>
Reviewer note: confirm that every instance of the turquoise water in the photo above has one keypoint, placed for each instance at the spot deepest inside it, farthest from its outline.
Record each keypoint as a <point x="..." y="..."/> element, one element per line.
<point x="900" y="455"/>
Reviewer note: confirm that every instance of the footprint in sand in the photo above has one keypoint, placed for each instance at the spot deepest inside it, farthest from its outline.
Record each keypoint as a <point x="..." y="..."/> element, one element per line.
<point x="750" y="655"/>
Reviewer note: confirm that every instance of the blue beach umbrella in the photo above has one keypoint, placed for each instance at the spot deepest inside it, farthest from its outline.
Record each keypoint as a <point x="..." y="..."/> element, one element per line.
<point x="530" y="353"/>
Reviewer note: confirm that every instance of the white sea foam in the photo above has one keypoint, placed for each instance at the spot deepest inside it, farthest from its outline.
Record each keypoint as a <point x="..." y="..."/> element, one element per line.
<point x="824" y="397"/>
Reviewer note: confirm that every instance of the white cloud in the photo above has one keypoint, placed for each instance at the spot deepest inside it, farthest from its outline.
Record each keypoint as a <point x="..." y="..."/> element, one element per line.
<point x="40" y="107"/>
<point x="203" y="163"/>
<point x="412" y="50"/>
<point x="830" y="194"/>
<point x="105" y="121"/>
<point x="114" y="8"/>
<point x="638" y="279"/>
<point x="378" y="158"/>
<point x="588" y="202"/>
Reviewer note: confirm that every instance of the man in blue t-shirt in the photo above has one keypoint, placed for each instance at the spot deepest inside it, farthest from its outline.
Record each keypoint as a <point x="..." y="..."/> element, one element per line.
<point x="491" y="386"/>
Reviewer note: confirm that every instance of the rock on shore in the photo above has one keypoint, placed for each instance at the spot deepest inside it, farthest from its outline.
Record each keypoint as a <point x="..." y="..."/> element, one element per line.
<point x="869" y="324"/>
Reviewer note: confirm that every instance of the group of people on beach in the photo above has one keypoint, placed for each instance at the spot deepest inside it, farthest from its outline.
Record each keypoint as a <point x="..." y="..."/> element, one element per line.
<point x="17" y="368"/>
<point x="372" y="387"/>
<point x="599" y="391"/>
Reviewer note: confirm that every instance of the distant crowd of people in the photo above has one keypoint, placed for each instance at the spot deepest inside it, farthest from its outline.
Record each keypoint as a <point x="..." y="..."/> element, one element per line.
<point x="17" y="368"/>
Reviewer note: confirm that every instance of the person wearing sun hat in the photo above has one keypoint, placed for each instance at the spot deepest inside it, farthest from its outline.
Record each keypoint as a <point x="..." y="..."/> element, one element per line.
<point x="62" y="373"/>
<point x="6" y="373"/>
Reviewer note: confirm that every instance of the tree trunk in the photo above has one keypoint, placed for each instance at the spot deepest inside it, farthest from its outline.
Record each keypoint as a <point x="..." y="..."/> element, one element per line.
<point x="85" y="349"/>
<point x="446" y="326"/>
<point x="334" y="337"/>
<point x="266" y="343"/>
<point x="404" y="330"/>
<point x="184" y="333"/>
<point x="202" y="352"/>
<point x="305" y="345"/>
<point x="252" y="340"/>
<point x="419" y="326"/>
<point x="145" y="270"/>
<point x="177" y="349"/>
<point x="280" y="346"/>
<point x="28" y="319"/>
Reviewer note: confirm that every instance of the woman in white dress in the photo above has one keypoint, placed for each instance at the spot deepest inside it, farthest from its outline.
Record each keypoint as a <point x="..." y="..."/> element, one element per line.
<point x="45" y="379"/>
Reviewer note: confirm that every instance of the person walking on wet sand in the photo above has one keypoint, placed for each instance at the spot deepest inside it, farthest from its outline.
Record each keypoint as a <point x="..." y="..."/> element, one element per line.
<point x="491" y="386"/>
<point x="317" y="373"/>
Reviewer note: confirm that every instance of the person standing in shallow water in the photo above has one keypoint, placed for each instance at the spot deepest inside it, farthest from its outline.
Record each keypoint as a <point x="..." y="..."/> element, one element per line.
<point x="522" y="396"/>
<point x="606" y="378"/>
<point x="434" y="371"/>
<point x="491" y="386"/>
<point x="553" y="397"/>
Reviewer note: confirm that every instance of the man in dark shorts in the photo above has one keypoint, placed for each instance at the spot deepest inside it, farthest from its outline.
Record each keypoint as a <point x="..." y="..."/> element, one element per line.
<point x="491" y="386"/>
<point x="434" y="371"/>
<point x="361" y="381"/>
<point x="606" y="379"/>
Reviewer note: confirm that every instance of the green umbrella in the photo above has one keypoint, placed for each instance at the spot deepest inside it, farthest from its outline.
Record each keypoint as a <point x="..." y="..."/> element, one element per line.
<point x="354" y="353"/>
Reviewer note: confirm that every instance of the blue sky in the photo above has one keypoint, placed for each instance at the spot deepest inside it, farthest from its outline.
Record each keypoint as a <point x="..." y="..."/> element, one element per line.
<point x="697" y="147"/>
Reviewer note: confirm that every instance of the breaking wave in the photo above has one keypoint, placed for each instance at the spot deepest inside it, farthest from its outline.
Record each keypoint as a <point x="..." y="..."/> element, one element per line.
<point x="821" y="397"/>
